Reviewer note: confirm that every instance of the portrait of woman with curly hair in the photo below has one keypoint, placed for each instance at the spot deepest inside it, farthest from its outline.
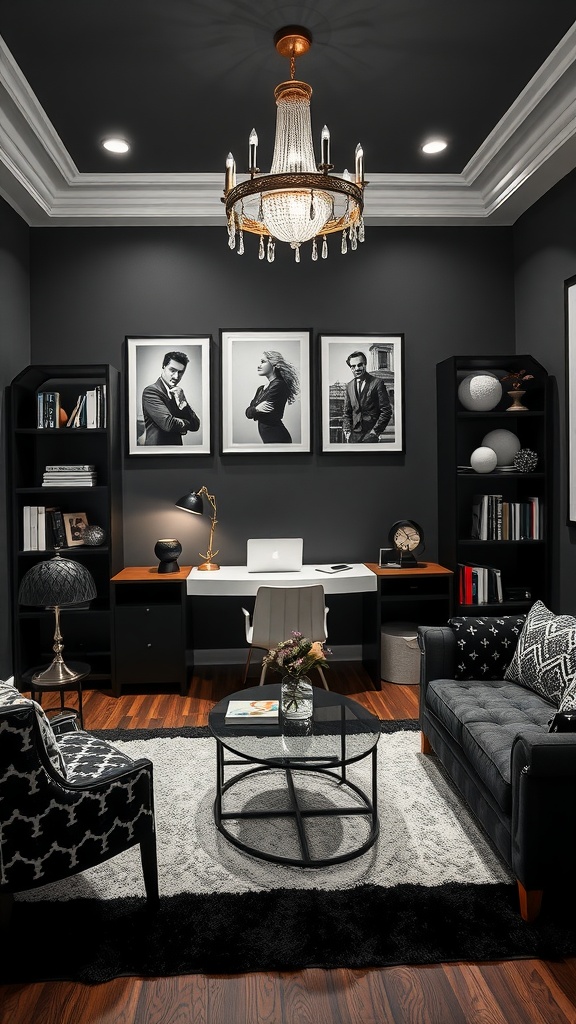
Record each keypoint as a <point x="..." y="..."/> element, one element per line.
<point x="267" y="407"/>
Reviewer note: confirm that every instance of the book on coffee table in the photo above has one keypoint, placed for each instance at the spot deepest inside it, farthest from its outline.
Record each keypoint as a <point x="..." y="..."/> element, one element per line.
<point x="252" y="710"/>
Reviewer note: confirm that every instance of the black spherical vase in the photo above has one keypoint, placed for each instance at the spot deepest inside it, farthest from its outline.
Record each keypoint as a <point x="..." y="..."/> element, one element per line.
<point x="167" y="553"/>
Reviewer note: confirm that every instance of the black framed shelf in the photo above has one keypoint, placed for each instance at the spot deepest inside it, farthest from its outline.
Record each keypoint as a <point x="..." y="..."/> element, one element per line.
<point x="86" y="631"/>
<point x="522" y="563"/>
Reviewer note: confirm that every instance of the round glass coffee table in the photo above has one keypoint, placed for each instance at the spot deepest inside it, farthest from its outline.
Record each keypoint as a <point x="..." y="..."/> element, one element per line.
<point x="317" y="751"/>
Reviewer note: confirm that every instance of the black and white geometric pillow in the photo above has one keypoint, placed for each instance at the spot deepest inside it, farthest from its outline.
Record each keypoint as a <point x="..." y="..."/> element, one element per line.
<point x="545" y="658"/>
<point x="485" y="644"/>
<point x="10" y="696"/>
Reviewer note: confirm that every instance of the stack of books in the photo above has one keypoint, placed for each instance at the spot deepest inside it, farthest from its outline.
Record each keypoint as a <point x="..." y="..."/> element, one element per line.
<point x="75" y="475"/>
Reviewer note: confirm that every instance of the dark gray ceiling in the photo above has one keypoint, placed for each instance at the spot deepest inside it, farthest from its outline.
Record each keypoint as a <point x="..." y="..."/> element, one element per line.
<point x="186" y="80"/>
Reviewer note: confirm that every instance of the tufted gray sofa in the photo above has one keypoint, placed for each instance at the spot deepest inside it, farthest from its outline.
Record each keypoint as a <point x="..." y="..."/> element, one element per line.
<point x="518" y="778"/>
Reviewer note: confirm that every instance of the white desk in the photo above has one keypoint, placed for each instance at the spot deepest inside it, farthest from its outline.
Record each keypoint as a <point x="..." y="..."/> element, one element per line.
<point x="236" y="581"/>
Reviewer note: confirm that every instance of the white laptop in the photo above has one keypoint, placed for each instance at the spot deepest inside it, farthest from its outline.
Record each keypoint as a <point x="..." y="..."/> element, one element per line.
<point x="280" y="554"/>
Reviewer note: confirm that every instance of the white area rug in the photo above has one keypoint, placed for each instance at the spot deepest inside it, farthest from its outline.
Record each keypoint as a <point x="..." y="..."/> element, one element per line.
<point x="427" y="837"/>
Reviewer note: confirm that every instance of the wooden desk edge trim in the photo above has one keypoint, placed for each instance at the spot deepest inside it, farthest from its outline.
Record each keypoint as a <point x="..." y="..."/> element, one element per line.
<point x="424" y="569"/>
<point x="149" y="573"/>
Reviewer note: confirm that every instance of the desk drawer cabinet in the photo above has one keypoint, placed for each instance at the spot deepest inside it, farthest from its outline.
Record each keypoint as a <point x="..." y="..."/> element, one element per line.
<point x="149" y="619"/>
<point x="150" y="644"/>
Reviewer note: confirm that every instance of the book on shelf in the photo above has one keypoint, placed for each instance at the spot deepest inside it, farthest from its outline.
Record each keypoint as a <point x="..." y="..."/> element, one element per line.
<point x="56" y="523"/>
<point x="48" y="410"/>
<point x="73" y="467"/>
<point x="252" y="711"/>
<point x="26" y="528"/>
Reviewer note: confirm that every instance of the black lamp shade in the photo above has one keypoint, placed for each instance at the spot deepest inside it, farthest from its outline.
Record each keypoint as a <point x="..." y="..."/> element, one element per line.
<point x="191" y="502"/>
<point x="56" y="583"/>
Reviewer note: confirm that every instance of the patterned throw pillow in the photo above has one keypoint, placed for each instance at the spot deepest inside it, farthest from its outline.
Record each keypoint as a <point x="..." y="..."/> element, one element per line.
<point x="485" y="644"/>
<point x="10" y="696"/>
<point x="545" y="658"/>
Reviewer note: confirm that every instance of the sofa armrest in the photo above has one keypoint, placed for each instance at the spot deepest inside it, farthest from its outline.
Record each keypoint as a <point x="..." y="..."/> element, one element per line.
<point x="545" y="754"/>
<point x="438" y="646"/>
<point x="543" y="825"/>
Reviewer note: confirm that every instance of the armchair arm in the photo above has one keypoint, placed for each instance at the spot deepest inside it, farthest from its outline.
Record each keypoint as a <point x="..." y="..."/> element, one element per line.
<point x="66" y="721"/>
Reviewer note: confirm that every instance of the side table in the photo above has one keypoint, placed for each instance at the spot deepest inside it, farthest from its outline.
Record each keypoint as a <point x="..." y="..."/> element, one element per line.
<point x="80" y="667"/>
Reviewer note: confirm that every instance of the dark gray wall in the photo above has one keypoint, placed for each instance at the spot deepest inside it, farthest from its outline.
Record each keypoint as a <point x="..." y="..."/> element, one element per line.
<point x="14" y="355"/>
<point x="545" y="256"/>
<point x="448" y="290"/>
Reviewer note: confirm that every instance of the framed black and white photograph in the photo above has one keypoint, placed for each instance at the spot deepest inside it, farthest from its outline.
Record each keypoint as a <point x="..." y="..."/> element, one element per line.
<point x="362" y="392"/>
<point x="168" y="395"/>
<point x="265" y="391"/>
<point x="570" y="295"/>
<point x="74" y="525"/>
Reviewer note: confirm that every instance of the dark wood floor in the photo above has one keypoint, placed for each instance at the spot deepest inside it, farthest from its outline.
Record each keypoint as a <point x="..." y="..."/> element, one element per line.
<point x="512" y="992"/>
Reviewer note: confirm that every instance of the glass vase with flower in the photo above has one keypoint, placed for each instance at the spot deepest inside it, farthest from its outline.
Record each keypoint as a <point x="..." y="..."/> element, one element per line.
<point x="294" y="658"/>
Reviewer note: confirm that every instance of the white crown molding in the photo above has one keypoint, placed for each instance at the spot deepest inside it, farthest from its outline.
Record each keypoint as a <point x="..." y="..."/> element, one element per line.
<point x="528" y="151"/>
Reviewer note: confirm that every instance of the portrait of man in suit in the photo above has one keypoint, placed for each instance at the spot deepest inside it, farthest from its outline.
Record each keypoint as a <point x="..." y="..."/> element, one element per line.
<point x="167" y="413"/>
<point x="367" y="406"/>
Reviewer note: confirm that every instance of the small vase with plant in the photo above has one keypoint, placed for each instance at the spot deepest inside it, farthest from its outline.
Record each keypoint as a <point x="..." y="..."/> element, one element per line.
<point x="294" y="658"/>
<point x="517" y="378"/>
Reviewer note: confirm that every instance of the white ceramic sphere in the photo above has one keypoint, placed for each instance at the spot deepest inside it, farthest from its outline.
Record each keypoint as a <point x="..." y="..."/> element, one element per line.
<point x="483" y="460"/>
<point x="505" y="443"/>
<point x="480" y="392"/>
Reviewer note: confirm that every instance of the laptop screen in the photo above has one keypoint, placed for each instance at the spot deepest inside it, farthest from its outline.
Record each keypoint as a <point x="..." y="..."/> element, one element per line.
<point x="280" y="554"/>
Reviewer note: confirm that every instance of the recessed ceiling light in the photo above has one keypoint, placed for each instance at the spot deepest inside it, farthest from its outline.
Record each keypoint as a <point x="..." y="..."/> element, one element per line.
<point x="434" y="146"/>
<point x="116" y="145"/>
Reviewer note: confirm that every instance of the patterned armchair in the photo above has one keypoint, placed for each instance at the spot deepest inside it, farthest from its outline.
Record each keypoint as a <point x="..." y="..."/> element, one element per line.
<point x="68" y="800"/>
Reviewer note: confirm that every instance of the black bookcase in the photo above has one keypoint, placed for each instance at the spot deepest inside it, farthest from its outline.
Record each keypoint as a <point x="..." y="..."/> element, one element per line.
<point x="523" y="564"/>
<point x="87" y="631"/>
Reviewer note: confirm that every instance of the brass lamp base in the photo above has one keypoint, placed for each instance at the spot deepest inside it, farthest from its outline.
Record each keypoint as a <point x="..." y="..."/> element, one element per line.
<point x="56" y="673"/>
<point x="208" y="567"/>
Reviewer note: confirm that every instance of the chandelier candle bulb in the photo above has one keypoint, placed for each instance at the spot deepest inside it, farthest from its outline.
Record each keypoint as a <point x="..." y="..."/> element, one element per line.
<point x="359" y="165"/>
<point x="252" y="145"/>
<point x="230" y="173"/>
<point x="325" y="148"/>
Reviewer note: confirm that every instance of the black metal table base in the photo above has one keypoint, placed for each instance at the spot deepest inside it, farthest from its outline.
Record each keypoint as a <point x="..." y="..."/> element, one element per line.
<point x="295" y="811"/>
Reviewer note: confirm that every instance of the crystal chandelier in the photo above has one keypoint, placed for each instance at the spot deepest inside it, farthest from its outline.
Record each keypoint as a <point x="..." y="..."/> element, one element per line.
<point x="297" y="201"/>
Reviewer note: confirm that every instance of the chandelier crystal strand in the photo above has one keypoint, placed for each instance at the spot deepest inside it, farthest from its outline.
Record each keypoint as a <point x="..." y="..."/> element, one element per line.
<point x="241" y="243"/>
<point x="261" y="252"/>
<point x="314" y="250"/>
<point x="324" y="249"/>
<point x="344" y="246"/>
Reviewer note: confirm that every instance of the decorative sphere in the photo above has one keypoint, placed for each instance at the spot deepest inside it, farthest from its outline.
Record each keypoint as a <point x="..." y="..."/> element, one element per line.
<point x="93" y="536"/>
<point x="167" y="551"/>
<point x="480" y="392"/>
<point x="483" y="460"/>
<point x="504" y="443"/>
<point x="525" y="460"/>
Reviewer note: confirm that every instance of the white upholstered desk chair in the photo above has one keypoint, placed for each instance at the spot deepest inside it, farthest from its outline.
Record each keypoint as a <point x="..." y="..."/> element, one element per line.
<point x="280" y="610"/>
